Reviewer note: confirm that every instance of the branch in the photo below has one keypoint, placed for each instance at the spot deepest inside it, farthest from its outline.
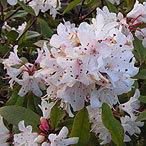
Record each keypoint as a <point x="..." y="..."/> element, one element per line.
<point x="16" y="42"/>
<point x="102" y="3"/>
<point x="17" y="9"/>
<point x="84" y="17"/>
<point x="2" y="16"/>
<point x="33" y="21"/>
<point x="81" y="9"/>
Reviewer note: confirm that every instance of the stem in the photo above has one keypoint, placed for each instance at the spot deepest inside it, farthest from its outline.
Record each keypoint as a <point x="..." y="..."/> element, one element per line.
<point x="84" y="17"/>
<point x="33" y="21"/>
<point x="102" y="4"/>
<point x="2" y="16"/>
<point x="81" y="9"/>
<point x="17" y="9"/>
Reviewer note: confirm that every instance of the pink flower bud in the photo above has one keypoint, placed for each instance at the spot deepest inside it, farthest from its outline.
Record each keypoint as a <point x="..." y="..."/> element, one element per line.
<point x="44" y="123"/>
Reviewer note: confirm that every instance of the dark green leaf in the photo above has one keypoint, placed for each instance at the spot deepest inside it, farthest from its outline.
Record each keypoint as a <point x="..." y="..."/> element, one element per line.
<point x="37" y="101"/>
<point x="92" y="3"/>
<point x="27" y="8"/>
<point x="56" y="115"/>
<point x="30" y="103"/>
<point x="20" y="13"/>
<point x="141" y="74"/>
<point x="4" y="49"/>
<point x="113" y="125"/>
<point x="140" y="50"/>
<point x="68" y="123"/>
<point x="31" y="35"/>
<point x="11" y="35"/>
<point x="142" y="116"/>
<point x="15" y="114"/>
<point x="71" y="5"/>
<point x="4" y="3"/>
<point x="15" y="99"/>
<point x="130" y="4"/>
<point x="46" y="30"/>
<point x="81" y="127"/>
<point x="93" y="141"/>
<point x="111" y="7"/>
<point x="142" y="99"/>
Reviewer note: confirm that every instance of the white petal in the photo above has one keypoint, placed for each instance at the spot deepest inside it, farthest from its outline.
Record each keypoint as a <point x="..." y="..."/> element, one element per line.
<point x="12" y="2"/>
<point x="63" y="132"/>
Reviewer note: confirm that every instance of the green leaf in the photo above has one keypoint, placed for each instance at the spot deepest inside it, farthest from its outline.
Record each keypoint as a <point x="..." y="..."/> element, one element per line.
<point x="40" y="43"/>
<point x="142" y="116"/>
<point x="20" y="13"/>
<point x="140" y="50"/>
<point x="92" y="3"/>
<point x="30" y="103"/>
<point x="56" y="115"/>
<point x="81" y="127"/>
<point x="11" y="35"/>
<point x="4" y="49"/>
<point x="113" y="125"/>
<point x="68" y="123"/>
<point x="4" y="3"/>
<point x="141" y="74"/>
<point x="15" y="114"/>
<point x="142" y="99"/>
<point x="26" y="8"/>
<point x="46" y="30"/>
<point x="15" y="99"/>
<point x="33" y="102"/>
<point x="37" y="101"/>
<point x="71" y="5"/>
<point x="31" y="35"/>
<point x="93" y="141"/>
<point x="130" y="4"/>
<point x="111" y="7"/>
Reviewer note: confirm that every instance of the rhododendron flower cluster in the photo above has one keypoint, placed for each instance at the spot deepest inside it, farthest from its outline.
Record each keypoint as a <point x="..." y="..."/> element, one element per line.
<point x="81" y="66"/>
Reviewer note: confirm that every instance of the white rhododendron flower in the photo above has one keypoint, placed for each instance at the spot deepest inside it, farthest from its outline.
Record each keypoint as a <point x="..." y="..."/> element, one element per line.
<point x="26" y="137"/>
<point x="132" y="105"/>
<point x="141" y="35"/>
<point x="4" y="133"/>
<point x="37" y="5"/>
<point x="61" y="139"/>
<point x="114" y="1"/>
<point x="21" y="28"/>
<point x="46" y="108"/>
<point x="30" y="77"/>
<point x="13" y="58"/>
<point x="45" y="5"/>
<point x="95" y="68"/>
<point x="139" y="11"/>
<point x="41" y="5"/>
<point x="131" y="127"/>
<point x="14" y="2"/>
<point x="45" y="144"/>
<point x="97" y="126"/>
<point x="30" y="83"/>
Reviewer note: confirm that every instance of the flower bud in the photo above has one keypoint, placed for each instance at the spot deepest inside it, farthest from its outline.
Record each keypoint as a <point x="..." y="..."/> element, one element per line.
<point x="44" y="124"/>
